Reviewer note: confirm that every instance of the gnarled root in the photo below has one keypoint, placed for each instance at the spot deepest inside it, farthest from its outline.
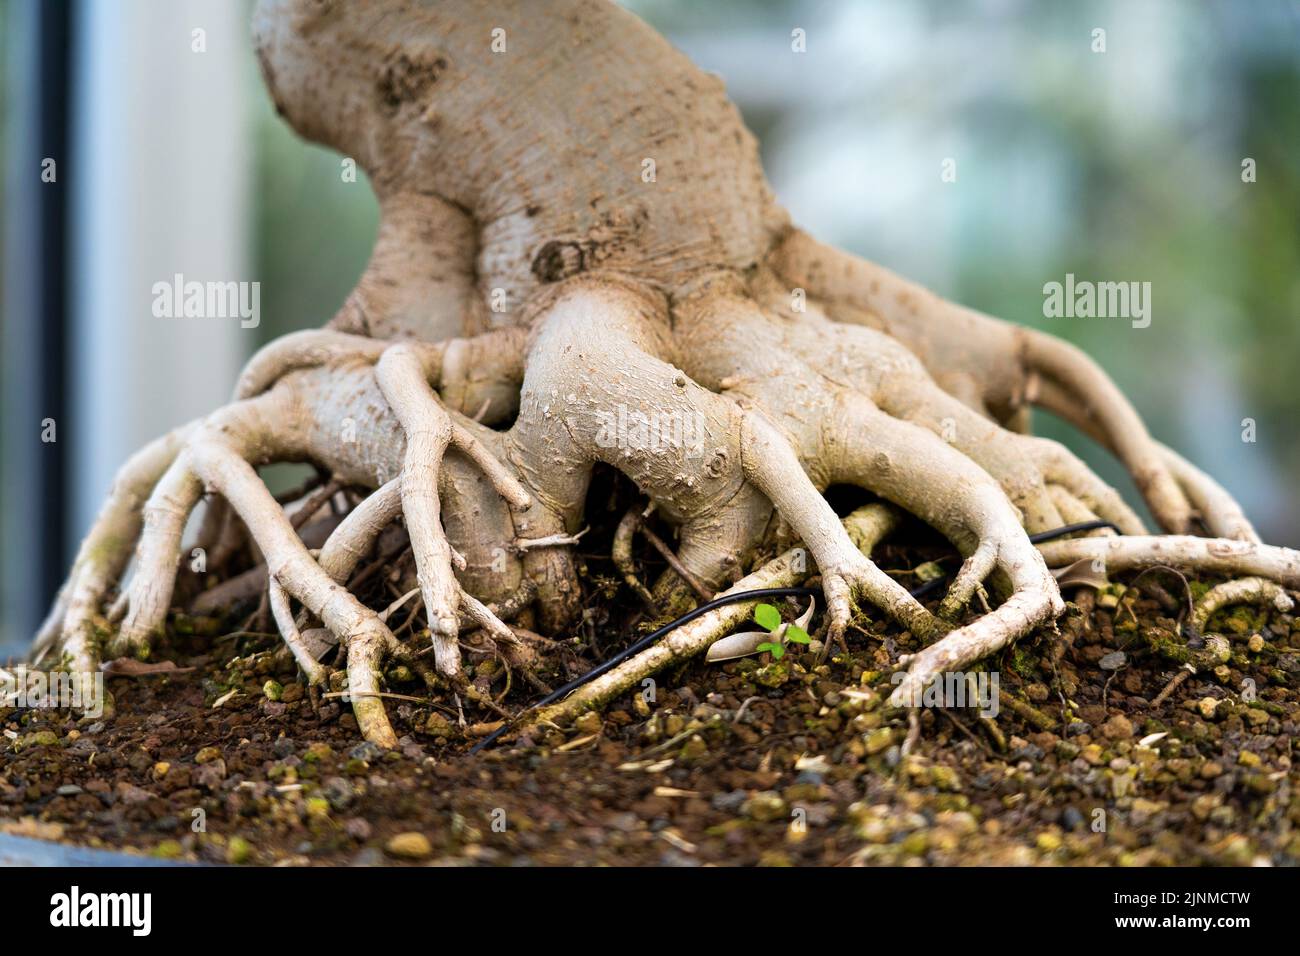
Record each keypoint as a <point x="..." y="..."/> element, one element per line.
<point x="362" y="633"/>
<point x="478" y="376"/>
<point x="842" y="436"/>
<point x="621" y="555"/>
<point x="1024" y="466"/>
<point x="996" y="367"/>
<point x="723" y="416"/>
<point x="757" y="424"/>
<point x="335" y="415"/>
<point x="429" y="431"/>
<point x="573" y="413"/>
<point x="104" y="554"/>
<point x="847" y="573"/>
<point x="1241" y="591"/>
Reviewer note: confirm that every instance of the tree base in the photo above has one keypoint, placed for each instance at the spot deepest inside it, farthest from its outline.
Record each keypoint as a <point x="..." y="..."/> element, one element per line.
<point x="745" y="762"/>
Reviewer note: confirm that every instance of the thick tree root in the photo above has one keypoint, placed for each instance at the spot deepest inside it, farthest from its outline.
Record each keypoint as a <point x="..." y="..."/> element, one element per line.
<point x="844" y="436"/>
<point x="997" y="368"/>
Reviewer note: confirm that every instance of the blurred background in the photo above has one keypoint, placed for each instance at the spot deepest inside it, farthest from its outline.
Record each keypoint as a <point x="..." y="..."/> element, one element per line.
<point x="138" y="143"/>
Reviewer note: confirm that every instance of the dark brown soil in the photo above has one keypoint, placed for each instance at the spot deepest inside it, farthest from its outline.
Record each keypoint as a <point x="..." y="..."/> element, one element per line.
<point x="743" y="763"/>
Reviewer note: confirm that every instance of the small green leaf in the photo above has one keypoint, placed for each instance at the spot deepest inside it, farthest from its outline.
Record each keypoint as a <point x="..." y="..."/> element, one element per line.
<point x="797" y="634"/>
<point x="768" y="617"/>
<point x="776" y="650"/>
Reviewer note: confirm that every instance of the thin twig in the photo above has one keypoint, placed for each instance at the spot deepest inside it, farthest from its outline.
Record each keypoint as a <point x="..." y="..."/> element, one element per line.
<point x="966" y="730"/>
<point x="306" y="488"/>
<point x="384" y="614"/>
<point x="379" y="693"/>
<point x="314" y="504"/>
<point x="913" y="731"/>
<point x="1187" y="671"/>
<point x="703" y="593"/>
<point x="550" y="541"/>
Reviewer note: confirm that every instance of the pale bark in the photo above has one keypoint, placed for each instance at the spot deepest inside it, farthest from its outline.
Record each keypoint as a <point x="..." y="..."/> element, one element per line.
<point x="576" y="234"/>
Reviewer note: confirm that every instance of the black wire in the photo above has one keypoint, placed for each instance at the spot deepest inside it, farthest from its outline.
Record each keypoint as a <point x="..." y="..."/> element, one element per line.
<point x="645" y="642"/>
<point x="1062" y="531"/>
<point x="726" y="599"/>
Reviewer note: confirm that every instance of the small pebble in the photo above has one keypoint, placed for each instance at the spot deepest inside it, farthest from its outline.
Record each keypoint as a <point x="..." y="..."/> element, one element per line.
<point x="409" y="846"/>
<point x="1118" y="727"/>
<point x="238" y="850"/>
<point x="366" y="751"/>
<point x="1113" y="661"/>
<point x="588" y="723"/>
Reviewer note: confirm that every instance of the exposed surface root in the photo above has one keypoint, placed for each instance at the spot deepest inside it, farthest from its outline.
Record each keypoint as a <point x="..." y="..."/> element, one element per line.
<point x="847" y="574"/>
<point x="429" y="431"/>
<point x="621" y="554"/>
<point x="991" y="365"/>
<point x="104" y="554"/>
<point x="291" y="421"/>
<point x="1203" y="555"/>
<point x="1217" y="509"/>
<point x="492" y="514"/>
<point x="1240" y="591"/>
<point x="288" y="627"/>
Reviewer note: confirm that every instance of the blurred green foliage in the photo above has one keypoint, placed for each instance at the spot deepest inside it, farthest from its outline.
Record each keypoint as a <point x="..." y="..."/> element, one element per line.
<point x="313" y="229"/>
<point x="1122" y="165"/>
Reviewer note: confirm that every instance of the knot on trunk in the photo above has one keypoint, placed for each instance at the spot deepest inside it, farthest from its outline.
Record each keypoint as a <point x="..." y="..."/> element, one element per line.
<point x="406" y="77"/>
<point x="558" y="260"/>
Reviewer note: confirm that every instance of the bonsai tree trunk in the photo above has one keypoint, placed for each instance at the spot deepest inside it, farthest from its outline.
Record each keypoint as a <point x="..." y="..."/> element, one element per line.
<point x="577" y="233"/>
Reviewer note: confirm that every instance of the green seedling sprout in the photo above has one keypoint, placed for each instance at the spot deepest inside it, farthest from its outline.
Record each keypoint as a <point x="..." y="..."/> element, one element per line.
<point x="773" y="636"/>
<point x="769" y="619"/>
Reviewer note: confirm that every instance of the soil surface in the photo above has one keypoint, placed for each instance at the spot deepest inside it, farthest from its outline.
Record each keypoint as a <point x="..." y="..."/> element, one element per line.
<point x="749" y="762"/>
